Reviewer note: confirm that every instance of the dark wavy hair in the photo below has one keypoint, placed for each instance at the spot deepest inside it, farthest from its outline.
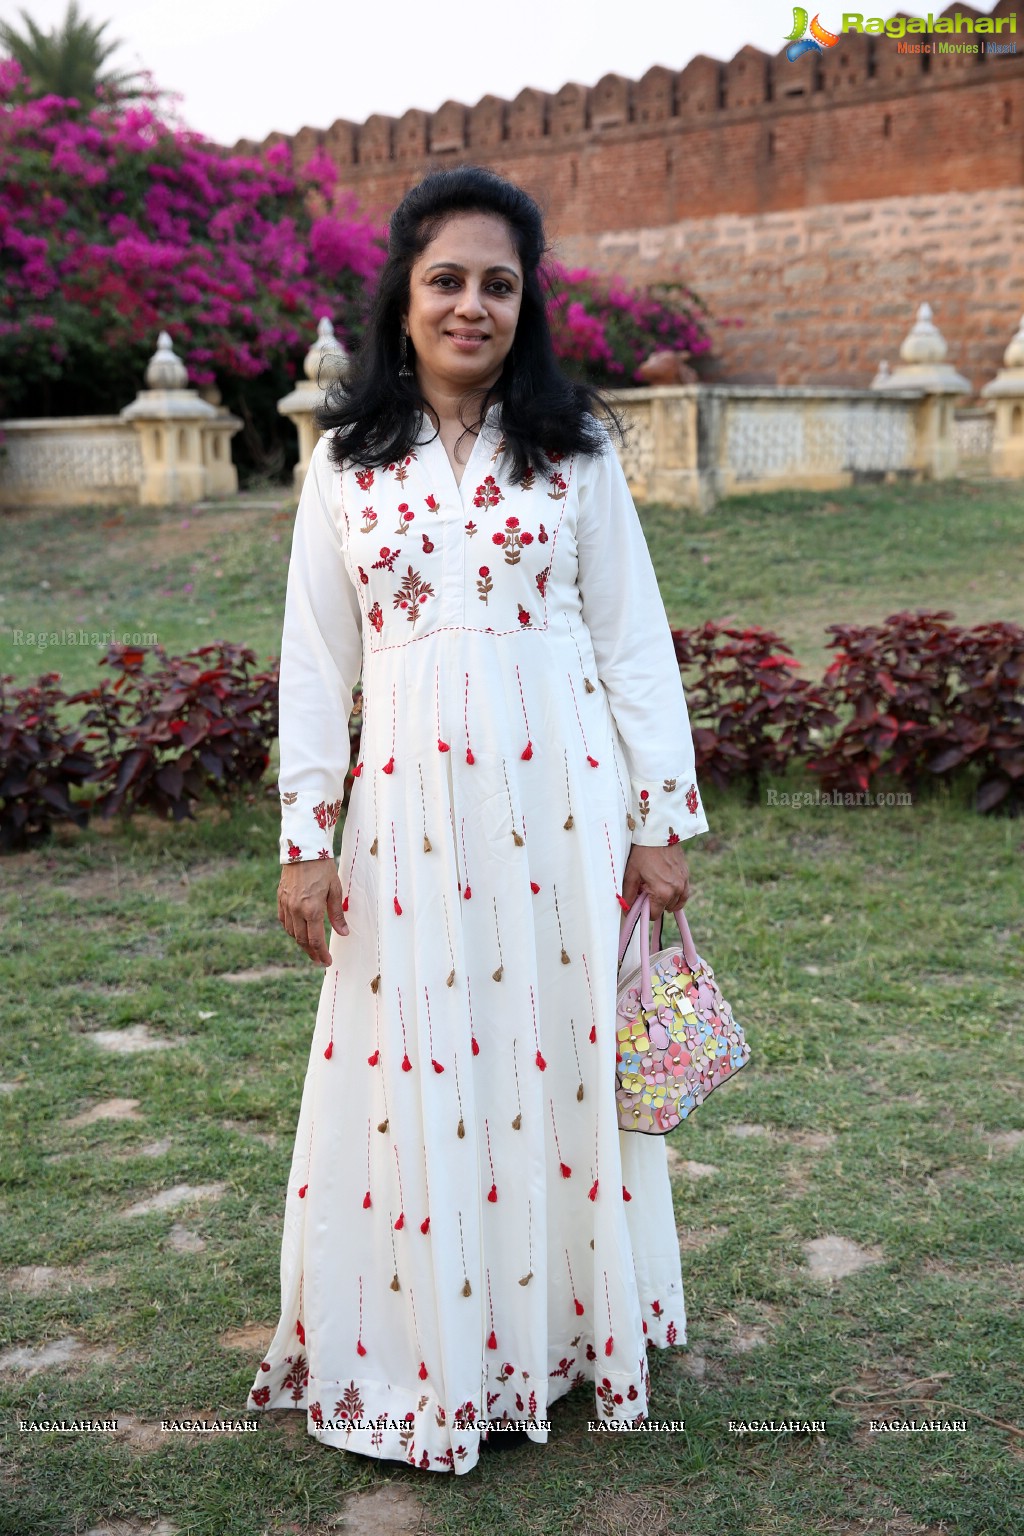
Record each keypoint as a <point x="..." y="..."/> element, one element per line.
<point x="375" y="413"/>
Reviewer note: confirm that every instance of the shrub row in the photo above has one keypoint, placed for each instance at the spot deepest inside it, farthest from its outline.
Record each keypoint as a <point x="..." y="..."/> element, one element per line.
<point x="913" y="700"/>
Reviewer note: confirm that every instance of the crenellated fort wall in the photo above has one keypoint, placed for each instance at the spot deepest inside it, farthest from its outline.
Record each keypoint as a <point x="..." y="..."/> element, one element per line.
<point x="819" y="202"/>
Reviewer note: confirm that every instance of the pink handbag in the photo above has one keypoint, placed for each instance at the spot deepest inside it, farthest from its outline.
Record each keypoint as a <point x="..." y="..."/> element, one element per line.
<point x="676" y="1038"/>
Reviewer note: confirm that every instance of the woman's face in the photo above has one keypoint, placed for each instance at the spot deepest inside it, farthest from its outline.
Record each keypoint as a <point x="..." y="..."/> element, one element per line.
<point x="465" y="292"/>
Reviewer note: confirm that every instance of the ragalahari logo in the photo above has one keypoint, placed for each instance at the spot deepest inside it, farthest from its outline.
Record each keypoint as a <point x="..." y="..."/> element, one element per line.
<point x="819" y="40"/>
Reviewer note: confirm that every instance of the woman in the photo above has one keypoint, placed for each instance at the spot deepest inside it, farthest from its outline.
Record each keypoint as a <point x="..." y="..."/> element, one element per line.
<point x="467" y="1233"/>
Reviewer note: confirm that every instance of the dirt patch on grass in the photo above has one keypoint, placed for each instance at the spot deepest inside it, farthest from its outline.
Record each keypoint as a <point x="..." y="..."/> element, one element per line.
<point x="626" y="1514"/>
<point x="254" y="1338"/>
<point x="27" y="1360"/>
<point x="178" y="1194"/>
<point x="107" y="1109"/>
<point x="692" y="1239"/>
<point x="45" y="1279"/>
<point x="833" y="1257"/>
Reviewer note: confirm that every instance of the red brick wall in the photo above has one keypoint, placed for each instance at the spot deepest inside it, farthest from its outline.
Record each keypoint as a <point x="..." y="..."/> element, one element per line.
<point x="819" y="202"/>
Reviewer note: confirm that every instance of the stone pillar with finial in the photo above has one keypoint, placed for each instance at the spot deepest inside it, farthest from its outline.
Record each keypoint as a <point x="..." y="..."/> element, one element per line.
<point x="1006" y="391"/>
<point x="923" y="367"/>
<point x="178" y="433"/>
<point x="325" y="362"/>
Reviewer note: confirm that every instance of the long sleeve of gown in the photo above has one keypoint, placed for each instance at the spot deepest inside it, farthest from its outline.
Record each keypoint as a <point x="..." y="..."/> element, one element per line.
<point x="636" y="661"/>
<point x="321" y="657"/>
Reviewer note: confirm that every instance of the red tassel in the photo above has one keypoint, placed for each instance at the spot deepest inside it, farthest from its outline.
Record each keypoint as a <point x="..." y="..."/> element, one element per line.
<point x="528" y="750"/>
<point x="264" y="1365"/>
<point x="373" y="1060"/>
<point x="330" y="1049"/>
<point x="436" y="1065"/>
<point x="592" y="761"/>
<point x="593" y="1034"/>
<point x="608" y="1345"/>
<point x="423" y="1371"/>
<point x="469" y="756"/>
<point x="366" y="1201"/>
<point x="593" y="1189"/>
<point x="492" y="1193"/>
<point x="645" y="1327"/>
<point x="300" y="1331"/>
<point x="389" y="766"/>
<point x="540" y="1061"/>
<point x="492" y="1342"/>
<point x="400" y="1223"/>
<point x="302" y="1191"/>
<point x="360" y="1348"/>
<point x="467" y="893"/>
<point x="626" y="1194"/>
<point x="425" y="1224"/>
<point x="344" y="905"/>
<point x="566" y="1170"/>
<point x="406" y="1063"/>
<point x="398" y="909"/>
<point x="442" y="746"/>
<point x="534" y="887"/>
<point x="357" y="770"/>
<point x="622" y="902"/>
<point x="476" y="1046"/>
<point x="579" y="1307"/>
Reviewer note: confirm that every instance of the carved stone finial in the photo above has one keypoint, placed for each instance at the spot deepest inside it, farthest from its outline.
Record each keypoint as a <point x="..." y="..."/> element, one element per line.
<point x="1013" y="357"/>
<point x="326" y="358"/>
<point x="878" y="382"/>
<point x="165" y="369"/>
<point x="924" y="343"/>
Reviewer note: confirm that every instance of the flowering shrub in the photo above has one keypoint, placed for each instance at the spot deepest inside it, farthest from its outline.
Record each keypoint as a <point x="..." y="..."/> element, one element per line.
<point x="604" y="330"/>
<point x="114" y="225"/>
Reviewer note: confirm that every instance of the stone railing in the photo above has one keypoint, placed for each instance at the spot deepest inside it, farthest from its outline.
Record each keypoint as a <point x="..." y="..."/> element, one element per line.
<point x="690" y="445"/>
<point x="70" y="462"/>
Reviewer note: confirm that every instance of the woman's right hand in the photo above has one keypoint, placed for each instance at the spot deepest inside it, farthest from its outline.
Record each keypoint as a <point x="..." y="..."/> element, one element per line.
<point x="306" y="889"/>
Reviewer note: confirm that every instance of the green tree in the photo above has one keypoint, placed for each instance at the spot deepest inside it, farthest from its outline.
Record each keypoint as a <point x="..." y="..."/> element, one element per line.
<point x="69" y="61"/>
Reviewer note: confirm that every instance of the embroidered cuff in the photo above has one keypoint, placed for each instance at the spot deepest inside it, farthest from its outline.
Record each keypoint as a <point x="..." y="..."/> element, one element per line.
<point x="307" y="826"/>
<point x="665" y="811"/>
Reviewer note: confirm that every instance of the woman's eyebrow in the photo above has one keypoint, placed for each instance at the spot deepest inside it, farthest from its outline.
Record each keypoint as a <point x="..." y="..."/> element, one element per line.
<point x="455" y="266"/>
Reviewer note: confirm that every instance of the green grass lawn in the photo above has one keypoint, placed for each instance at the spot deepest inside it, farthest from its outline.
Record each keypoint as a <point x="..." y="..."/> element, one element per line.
<point x="874" y="957"/>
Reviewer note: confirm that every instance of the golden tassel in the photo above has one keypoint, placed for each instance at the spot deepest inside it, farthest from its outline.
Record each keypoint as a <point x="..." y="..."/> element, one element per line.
<point x="588" y="685"/>
<point x="373" y="845"/>
<point x="426" y="843"/>
<point x="394" y="1284"/>
<point x="527" y="1278"/>
<point x="565" y="957"/>
<point x="462" y="1129"/>
<point x="451" y="977"/>
<point x="383" y="1126"/>
<point x="467" y="1289"/>
<point x="630" y="822"/>
<point x="518" y="1121"/>
<point x="375" y="983"/>
<point x="568" y="823"/>
<point x="579" y="1094"/>
<point x="497" y="974"/>
<point x="516" y="838"/>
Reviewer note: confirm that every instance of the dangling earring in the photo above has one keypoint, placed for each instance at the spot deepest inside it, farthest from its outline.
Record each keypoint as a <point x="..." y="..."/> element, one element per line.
<point x="404" y="371"/>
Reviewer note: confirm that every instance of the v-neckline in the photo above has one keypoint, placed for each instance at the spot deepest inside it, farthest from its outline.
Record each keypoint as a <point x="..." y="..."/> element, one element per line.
<point x="433" y="441"/>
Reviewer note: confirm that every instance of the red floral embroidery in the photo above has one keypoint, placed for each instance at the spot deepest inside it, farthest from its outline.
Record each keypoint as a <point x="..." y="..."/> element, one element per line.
<point x="325" y="853"/>
<point x="608" y="1397"/>
<point x="528" y="481"/>
<point x="558" y="486"/>
<point x="524" y="615"/>
<point x="404" y="517"/>
<point x="413" y="591"/>
<point x="488" y="494"/>
<point x="542" y="580"/>
<point x="364" y="479"/>
<point x="386" y="561"/>
<point x="691" y="799"/>
<point x="432" y="503"/>
<point x="297" y="1377"/>
<point x="327" y="814"/>
<point x="484" y="584"/>
<point x="471" y="528"/>
<point x="364" y="579"/>
<point x="369" y="519"/>
<point x="513" y="540"/>
<point x="376" y="617"/>
<point x="261" y="1396"/>
<point x="401" y="470"/>
<point x="542" y="535"/>
<point x="350" y="1404"/>
<point x="294" y="851"/>
<point x="316" y="1413"/>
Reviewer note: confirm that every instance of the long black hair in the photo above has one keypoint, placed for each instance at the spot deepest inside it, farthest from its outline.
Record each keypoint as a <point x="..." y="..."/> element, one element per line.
<point x="376" y="410"/>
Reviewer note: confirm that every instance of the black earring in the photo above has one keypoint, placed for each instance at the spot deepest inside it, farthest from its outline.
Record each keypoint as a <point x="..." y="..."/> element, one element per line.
<point x="405" y="371"/>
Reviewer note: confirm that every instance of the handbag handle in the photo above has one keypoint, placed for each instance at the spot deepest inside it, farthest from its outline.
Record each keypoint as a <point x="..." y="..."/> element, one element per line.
<point x="641" y="909"/>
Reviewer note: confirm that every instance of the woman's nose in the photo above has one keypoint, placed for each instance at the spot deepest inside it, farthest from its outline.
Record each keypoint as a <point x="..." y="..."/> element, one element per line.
<point x="471" y="301"/>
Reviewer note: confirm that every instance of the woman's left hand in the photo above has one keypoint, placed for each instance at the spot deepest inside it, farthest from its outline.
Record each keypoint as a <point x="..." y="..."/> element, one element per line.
<point x="662" y="872"/>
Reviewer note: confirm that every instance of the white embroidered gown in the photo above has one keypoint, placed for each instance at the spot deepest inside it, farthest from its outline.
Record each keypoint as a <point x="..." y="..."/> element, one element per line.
<point x="467" y="1234"/>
